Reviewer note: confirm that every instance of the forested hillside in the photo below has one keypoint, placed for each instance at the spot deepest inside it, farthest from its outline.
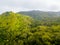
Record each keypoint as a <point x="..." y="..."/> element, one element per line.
<point x="36" y="14"/>
<point x="20" y="29"/>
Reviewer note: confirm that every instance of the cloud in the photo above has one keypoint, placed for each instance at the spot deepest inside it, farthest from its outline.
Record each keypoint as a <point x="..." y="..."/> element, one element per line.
<point x="21" y="5"/>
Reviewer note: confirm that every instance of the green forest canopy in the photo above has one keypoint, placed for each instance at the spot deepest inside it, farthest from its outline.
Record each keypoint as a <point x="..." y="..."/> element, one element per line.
<point x="20" y="29"/>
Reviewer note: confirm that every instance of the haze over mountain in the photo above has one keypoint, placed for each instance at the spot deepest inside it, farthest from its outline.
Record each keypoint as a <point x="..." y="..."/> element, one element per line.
<point x="36" y="14"/>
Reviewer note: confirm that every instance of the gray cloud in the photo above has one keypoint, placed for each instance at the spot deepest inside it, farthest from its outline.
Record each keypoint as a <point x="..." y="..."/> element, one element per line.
<point x="19" y="5"/>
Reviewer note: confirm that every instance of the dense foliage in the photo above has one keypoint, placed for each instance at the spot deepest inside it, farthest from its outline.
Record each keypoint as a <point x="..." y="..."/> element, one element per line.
<point x="18" y="29"/>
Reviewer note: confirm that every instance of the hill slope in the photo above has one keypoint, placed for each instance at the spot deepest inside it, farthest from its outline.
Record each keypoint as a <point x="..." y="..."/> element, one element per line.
<point x="36" y="14"/>
<point x="18" y="29"/>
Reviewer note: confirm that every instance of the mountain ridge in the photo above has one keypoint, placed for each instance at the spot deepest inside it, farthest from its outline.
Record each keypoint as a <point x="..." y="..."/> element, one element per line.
<point x="36" y="14"/>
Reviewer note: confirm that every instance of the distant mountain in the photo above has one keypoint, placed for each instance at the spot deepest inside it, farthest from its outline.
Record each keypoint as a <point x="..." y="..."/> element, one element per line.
<point x="36" y="14"/>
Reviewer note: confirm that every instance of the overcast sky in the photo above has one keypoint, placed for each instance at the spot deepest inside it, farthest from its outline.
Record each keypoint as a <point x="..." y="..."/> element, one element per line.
<point x="24" y="5"/>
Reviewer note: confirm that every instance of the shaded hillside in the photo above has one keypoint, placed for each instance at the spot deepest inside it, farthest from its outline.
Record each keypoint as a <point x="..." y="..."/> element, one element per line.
<point x="36" y="14"/>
